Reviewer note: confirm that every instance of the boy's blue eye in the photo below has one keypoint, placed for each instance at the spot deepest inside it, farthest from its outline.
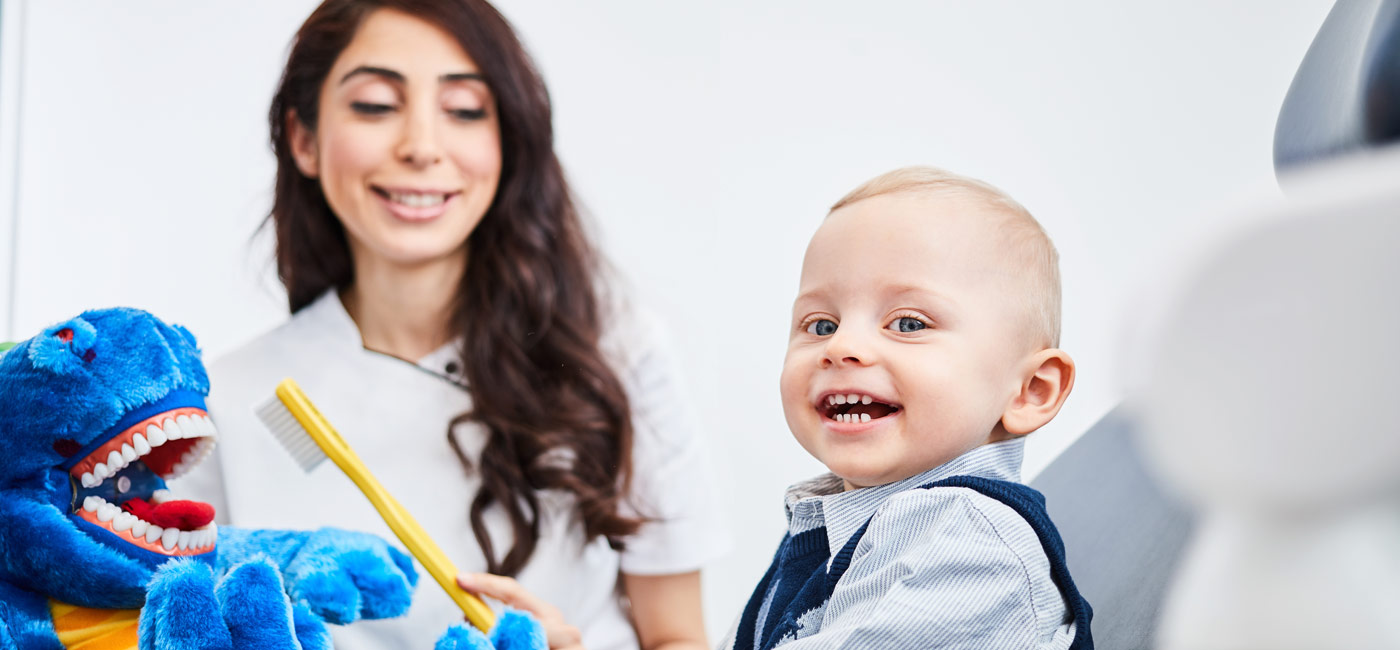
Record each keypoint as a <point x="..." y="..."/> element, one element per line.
<point x="907" y="324"/>
<point x="823" y="327"/>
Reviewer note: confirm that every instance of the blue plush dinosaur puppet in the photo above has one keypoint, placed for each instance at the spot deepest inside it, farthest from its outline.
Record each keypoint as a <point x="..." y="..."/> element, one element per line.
<point x="96" y="414"/>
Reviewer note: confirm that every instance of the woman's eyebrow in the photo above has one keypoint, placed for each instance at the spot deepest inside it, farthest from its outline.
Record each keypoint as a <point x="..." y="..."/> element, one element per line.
<point x="461" y="76"/>
<point x="392" y="75"/>
<point x="395" y="75"/>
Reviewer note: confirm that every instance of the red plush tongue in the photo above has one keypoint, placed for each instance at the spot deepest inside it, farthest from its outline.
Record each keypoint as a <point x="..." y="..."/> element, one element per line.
<point x="180" y="515"/>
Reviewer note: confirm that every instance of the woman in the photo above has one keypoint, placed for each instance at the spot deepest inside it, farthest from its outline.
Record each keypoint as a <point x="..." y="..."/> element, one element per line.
<point x="449" y="320"/>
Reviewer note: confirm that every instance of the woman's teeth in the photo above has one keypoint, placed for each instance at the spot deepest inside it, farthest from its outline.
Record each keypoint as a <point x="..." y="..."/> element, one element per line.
<point x="415" y="200"/>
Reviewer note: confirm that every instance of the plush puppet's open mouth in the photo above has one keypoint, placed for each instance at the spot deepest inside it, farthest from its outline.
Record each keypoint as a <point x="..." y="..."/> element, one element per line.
<point x="854" y="407"/>
<point x="120" y="485"/>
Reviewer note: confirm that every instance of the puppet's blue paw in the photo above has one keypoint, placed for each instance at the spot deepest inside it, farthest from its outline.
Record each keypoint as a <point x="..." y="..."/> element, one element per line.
<point x="310" y="629"/>
<point x="517" y="630"/>
<point x="463" y="637"/>
<point x="181" y="610"/>
<point x="344" y="576"/>
<point x="257" y="613"/>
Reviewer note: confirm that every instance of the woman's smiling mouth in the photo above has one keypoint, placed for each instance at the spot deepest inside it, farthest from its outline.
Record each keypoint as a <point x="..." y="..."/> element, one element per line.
<point x="413" y="204"/>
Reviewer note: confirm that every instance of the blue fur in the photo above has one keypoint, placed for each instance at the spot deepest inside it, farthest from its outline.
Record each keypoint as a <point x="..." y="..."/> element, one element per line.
<point x="182" y="611"/>
<point x="345" y="575"/>
<point x="517" y="630"/>
<point x="118" y="367"/>
<point x="463" y="637"/>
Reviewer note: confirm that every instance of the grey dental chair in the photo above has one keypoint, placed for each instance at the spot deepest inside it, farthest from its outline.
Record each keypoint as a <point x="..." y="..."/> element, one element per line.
<point x="1127" y="538"/>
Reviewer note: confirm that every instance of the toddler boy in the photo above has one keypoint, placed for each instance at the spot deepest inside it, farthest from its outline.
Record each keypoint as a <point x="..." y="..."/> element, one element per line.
<point x="922" y="352"/>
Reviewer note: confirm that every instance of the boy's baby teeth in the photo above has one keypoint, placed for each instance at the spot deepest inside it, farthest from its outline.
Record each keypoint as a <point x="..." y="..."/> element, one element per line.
<point x="866" y="399"/>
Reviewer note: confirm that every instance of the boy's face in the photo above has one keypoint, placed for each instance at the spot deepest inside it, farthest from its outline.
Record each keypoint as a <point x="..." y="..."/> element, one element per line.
<point x="909" y="300"/>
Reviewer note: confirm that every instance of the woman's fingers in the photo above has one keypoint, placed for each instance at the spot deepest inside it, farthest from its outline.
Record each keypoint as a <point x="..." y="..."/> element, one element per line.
<point x="508" y="591"/>
<point x="558" y="632"/>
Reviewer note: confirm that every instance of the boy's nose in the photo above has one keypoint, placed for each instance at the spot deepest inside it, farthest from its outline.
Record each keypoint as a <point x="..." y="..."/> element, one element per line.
<point x="845" y="348"/>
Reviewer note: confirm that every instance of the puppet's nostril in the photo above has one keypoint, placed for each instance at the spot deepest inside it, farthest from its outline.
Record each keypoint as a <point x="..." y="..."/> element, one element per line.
<point x="66" y="447"/>
<point x="89" y="355"/>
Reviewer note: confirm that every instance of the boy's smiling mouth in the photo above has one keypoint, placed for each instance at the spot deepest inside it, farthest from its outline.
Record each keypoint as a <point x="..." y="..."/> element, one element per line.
<point x="852" y="407"/>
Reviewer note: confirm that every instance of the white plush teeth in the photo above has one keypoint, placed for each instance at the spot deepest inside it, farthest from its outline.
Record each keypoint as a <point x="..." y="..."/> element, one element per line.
<point x="138" y="529"/>
<point x="123" y="522"/>
<point x="139" y="444"/>
<point x="115" y="462"/>
<point x="106" y="512"/>
<point x="99" y="472"/>
<point x="89" y="480"/>
<point x="866" y="399"/>
<point x="128" y="453"/>
<point x="91" y="504"/>
<point x="173" y="431"/>
<point x="160" y="496"/>
<point x="155" y="435"/>
<point x="864" y="417"/>
<point x="169" y="538"/>
<point x="182" y="540"/>
<point x="154" y="534"/>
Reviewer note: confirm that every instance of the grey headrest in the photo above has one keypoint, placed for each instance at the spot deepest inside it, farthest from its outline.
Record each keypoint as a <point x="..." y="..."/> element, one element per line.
<point x="1346" y="95"/>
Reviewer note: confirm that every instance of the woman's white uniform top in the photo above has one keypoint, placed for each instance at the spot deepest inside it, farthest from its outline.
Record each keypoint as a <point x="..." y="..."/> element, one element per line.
<point x="395" y="415"/>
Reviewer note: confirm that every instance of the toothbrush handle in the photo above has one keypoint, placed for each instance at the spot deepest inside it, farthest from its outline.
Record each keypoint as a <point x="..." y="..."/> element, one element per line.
<point x="394" y="514"/>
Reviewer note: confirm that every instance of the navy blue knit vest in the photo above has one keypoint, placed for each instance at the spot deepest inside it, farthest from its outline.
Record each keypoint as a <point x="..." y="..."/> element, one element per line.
<point x="805" y="582"/>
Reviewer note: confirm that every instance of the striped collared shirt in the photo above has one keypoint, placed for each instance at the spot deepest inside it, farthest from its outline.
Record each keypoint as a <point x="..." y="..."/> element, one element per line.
<point x="946" y="567"/>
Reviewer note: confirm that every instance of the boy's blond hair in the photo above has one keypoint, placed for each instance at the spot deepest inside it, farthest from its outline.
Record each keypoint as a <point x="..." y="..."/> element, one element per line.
<point x="1025" y="236"/>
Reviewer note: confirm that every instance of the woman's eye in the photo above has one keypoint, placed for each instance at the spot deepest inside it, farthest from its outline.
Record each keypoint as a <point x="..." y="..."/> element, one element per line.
<point x="367" y="108"/>
<point x="468" y="114"/>
<point x="907" y="324"/>
<point x="822" y="327"/>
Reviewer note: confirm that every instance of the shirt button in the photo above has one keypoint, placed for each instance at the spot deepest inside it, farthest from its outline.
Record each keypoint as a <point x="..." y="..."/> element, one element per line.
<point x="452" y="367"/>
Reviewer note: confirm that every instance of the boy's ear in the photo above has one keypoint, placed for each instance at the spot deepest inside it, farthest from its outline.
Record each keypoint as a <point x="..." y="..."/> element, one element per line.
<point x="303" y="144"/>
<point x="1045" y="385"/>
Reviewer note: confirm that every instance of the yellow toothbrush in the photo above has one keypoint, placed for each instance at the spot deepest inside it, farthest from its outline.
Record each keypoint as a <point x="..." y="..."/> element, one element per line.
<point x="310" y="439"/>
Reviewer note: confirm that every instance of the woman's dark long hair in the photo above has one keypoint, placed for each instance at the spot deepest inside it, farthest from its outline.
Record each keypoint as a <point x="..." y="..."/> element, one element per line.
<point x="526" y="307"/>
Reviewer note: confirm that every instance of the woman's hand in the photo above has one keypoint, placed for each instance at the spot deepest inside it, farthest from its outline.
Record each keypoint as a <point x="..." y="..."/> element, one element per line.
<point x="558" y="632"/>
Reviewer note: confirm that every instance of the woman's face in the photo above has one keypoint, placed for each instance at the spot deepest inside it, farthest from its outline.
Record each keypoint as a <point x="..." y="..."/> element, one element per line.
<point x="407" y="148"/>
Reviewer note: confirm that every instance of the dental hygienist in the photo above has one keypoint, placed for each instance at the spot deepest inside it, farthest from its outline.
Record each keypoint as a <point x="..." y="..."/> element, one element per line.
<point x="449" y="317"/>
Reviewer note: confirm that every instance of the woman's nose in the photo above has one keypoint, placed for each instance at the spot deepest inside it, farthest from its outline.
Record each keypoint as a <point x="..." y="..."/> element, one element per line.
<point x="419" y="146"/>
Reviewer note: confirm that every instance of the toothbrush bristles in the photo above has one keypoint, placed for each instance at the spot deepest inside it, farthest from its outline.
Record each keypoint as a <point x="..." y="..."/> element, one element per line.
<point x="290" y="434"/>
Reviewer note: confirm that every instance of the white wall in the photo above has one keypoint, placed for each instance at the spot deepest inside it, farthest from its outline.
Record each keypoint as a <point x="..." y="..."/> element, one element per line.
<point x="706" y="139"/>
